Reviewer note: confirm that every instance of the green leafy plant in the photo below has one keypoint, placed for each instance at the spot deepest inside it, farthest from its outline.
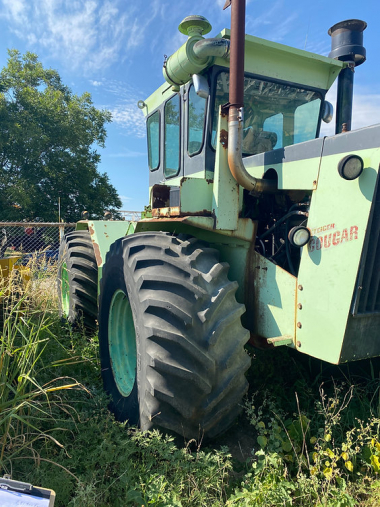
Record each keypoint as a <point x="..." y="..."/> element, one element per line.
<point x="24" y="400"/>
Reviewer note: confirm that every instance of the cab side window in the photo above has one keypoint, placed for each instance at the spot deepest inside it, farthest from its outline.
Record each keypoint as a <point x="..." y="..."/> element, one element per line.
<point x="172" y="137"/>
<point x="197" y="109"/>
<point x="153" y="131"/>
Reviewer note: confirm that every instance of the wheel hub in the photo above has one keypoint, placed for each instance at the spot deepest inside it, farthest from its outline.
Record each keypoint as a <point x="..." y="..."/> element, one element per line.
<point x="122" y="343"/>
<point x="65" y="289"/>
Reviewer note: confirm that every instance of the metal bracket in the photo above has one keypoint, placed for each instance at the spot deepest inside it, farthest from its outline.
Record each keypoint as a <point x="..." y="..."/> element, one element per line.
<point x="281" y="340"/>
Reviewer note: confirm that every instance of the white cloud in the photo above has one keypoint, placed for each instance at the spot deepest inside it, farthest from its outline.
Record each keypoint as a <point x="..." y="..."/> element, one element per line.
<point x="125" y="112"/>
<point x="89" y="34"/>
<point x="16" y="9"/>
<point x="128" y="154"/>
<point x="129" y="117"/>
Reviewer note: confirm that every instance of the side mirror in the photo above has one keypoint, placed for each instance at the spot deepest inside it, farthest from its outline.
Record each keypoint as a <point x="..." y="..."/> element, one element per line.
<point x="201" y="86"/>
<point x="327" y="111"/>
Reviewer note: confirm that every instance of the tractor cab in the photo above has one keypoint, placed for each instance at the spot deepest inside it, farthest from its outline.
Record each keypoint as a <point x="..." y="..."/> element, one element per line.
<point x="284" y="104"/>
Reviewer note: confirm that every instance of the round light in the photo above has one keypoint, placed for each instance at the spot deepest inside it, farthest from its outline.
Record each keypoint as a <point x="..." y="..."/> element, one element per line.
<point x="299" y="236"/>
<point x="350" y="167"/>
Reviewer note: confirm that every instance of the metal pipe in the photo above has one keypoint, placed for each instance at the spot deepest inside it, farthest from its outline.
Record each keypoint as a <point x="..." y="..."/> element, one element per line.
<point x="237" y="37"/>
<point x="212" y="47"/>
<point x="235" y="160"/>
<point x="347" y="46"/>
<point x="236" y="102"/>
<point x="344" y="99"/>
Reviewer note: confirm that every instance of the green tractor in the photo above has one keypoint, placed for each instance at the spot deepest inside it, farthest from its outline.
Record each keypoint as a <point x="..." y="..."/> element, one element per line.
<point x="258" y="229"/>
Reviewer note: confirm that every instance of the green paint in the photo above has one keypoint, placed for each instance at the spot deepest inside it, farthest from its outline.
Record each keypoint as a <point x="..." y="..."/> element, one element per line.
<point x="328" y="271"/>
<point x="225" y="202"/>
<point x="273" y="299"/>
<point x="278" y="61"/>
<point x="296" y="175"/>
<point x="262" y="57"/>
<point x="161" y="95"/>
<point x="65" y="292"/>
<point x="196" y="195"/>
<point x="122" y="343"/>
<point x="103" y="234"/>
<point x="244" y="230"/>
<point x="184" y="63"/>
<point x="281" y="340"/>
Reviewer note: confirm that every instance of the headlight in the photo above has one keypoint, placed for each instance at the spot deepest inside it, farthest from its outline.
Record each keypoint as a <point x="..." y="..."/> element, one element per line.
<point x="299" y="236"/>
<point x="350" y="167"/>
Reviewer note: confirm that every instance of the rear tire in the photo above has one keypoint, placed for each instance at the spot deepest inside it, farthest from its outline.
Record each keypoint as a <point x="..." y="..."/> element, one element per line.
<point x="170" y="336"/>
<point x="78" y="280"/>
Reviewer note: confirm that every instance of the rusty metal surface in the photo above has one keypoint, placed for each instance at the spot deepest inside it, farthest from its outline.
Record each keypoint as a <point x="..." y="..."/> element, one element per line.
<point x="98" y="255"/>
<point x="166" y="212"/>
<point x="236" y="92"/>
<point x="246" y="228"/>
<point x="104" y="233"/>
<point x="224" y="138"/>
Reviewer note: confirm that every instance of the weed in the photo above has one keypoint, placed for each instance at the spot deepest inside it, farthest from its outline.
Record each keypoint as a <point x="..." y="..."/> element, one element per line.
<point x="24" y="401"/>
<point x="317" y="428"/>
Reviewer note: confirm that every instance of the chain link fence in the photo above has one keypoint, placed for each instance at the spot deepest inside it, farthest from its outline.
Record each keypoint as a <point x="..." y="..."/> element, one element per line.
<point x="31" y="237"/>
<point x="132" y="216"/>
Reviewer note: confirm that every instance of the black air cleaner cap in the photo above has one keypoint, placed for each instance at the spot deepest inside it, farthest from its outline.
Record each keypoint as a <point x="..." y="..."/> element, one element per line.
<point x="347" y="41"/>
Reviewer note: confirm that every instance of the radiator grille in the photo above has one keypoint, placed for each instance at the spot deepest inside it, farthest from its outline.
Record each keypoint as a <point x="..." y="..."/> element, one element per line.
<point x="367" y="294"/>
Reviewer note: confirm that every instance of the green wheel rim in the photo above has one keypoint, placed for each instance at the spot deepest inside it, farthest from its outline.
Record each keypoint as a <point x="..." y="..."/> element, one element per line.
<point x="122" y="343"/>
<point x="65" y="289"/>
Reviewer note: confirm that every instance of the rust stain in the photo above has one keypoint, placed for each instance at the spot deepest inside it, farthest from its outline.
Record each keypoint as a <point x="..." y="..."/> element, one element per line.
<point x="163" y="219"/>
<point x="224" y="138"/>
<point x="166" y="212"/>
<point x="175" y="212"/>
<point x="98" y="257"/>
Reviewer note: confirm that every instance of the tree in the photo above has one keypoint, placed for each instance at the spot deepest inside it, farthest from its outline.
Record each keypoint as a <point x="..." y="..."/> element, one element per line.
<point x="47" y="146"/>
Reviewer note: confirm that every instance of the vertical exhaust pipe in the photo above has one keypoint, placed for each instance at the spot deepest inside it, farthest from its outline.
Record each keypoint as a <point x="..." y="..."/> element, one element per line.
<point x="236" y="103"/>
<point x="347" y="46"/>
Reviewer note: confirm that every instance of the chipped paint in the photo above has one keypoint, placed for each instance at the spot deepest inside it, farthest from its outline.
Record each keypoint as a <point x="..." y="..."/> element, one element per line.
<point x="224" y="138"/>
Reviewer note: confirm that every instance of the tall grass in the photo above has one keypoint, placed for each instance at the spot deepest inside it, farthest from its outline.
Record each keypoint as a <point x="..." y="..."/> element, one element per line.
<point x="24" y="335"/>
<point x="311" y="431"/>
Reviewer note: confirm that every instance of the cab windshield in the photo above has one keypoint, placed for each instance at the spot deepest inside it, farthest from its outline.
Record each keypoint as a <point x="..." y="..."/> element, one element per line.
<point x="275" y="114"/>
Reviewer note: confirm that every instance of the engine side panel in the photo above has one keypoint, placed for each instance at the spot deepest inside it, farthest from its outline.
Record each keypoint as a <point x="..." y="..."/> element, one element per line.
<point x="339" y="218"/>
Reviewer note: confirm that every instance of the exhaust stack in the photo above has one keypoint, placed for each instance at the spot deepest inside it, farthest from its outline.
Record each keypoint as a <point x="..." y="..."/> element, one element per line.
<point x="236" y="103"/>
<point x="347" y="46"/>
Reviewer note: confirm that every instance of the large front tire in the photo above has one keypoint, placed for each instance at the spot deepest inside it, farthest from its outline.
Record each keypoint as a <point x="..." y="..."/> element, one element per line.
<point x="171" y="340"/>
<point x="78" y="280"/>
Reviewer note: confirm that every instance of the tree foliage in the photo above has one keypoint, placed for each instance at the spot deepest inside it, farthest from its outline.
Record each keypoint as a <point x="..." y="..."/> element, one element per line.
<point x="47" y="146"/>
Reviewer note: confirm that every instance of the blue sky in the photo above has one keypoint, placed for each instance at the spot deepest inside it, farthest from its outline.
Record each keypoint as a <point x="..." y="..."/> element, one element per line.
<point x="114" y="49"/>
